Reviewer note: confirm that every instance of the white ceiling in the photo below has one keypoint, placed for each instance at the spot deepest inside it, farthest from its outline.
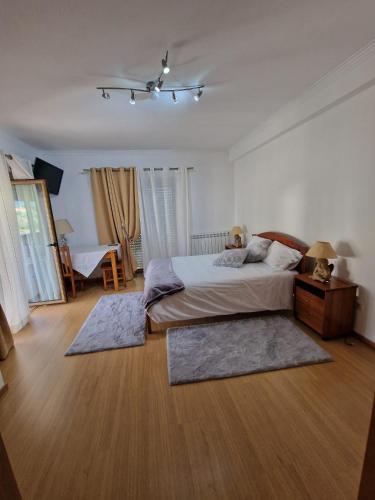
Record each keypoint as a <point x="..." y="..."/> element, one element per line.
<point x="254" y="56"/>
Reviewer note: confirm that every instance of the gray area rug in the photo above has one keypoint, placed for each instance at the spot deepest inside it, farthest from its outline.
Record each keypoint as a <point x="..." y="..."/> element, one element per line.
<point x="232" y="348"/>
<point x="116" y="321"/>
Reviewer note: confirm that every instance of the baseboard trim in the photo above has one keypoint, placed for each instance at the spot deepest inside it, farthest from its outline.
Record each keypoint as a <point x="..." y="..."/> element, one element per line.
<point x="3" y="389"/>
<point x="365" y="340"/>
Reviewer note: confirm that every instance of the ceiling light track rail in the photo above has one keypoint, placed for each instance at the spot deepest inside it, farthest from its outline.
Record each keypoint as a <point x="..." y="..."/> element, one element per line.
<point x="155" y="86"/>
<point x="134" y="89"/>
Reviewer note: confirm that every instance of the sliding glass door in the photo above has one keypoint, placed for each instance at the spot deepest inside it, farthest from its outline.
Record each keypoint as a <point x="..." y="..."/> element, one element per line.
<point x="40" y="254"/>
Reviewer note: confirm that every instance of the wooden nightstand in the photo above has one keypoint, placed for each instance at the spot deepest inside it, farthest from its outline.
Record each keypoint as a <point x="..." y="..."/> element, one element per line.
<point x="232" y="247"/>
<point x="327" y="308"/>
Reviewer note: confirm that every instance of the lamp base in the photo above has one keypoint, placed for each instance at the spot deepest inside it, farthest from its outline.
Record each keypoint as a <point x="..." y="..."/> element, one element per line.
<point x="322" y="271"/>
<point x="62" y="241"/>
<point x="237" y="241"/>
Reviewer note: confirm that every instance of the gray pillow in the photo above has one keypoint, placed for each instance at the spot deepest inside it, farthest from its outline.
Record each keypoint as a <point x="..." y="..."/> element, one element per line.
<point x="257" y="249"/>
<point x="231" y="258"/>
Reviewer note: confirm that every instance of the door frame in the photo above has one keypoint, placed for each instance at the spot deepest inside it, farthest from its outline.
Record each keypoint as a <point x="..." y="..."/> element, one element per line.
<point x="8" y="485"/>
<point x="367" y="484"/>
<point x="52" y="230"/>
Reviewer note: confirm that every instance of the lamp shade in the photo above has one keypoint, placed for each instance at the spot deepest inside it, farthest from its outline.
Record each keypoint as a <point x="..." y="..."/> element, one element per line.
<point x="236" y="230"/>
<point x="63" y="226"/>
<point x="322" y="250"/>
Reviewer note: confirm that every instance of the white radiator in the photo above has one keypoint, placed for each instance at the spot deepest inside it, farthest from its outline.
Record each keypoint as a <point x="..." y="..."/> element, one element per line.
<point x="206" y="243"/>
<point x="201" y="244"/>
<point x="136" y="248"/>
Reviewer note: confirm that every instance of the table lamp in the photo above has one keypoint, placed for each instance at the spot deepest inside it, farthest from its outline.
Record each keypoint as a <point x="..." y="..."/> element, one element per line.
<point x="322" y="251"/>
<point x="63" y="227"/>
<point x="236" y="231"/>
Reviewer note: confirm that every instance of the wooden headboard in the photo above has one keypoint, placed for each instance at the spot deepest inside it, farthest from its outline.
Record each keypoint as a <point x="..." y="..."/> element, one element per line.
<point x="291" y="242"/>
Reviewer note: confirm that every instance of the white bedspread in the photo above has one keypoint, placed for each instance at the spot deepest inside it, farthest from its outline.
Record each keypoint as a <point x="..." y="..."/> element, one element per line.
<point x="213" y="291"/>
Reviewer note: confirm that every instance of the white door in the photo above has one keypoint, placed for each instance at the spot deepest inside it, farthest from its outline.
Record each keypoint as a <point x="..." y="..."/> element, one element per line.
<point x="40" y="254"/>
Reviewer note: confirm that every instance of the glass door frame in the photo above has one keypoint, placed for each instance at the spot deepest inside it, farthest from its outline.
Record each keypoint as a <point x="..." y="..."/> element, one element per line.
<point x="52" y="231"/>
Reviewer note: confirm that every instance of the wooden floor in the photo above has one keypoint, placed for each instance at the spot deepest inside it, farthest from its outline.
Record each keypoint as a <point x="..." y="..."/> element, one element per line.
<point x="108" y="425"/>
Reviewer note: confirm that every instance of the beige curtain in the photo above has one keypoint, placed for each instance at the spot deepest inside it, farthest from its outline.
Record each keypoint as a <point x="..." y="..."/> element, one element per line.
<point x="115" y="196"/>
<point x="6" y="339"/>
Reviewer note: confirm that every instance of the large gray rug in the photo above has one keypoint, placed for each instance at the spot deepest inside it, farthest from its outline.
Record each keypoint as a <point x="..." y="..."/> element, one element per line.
<point x="258" y="344"/>
<point x="116" y="321"/>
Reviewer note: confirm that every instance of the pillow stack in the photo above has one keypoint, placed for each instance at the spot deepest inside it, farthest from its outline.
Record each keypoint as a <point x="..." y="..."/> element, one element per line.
<point x="278" y="256"/>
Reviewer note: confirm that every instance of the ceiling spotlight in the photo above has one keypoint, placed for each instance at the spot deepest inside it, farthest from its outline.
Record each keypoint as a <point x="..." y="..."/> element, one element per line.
<point x="164" y="63"/>
<point x="105" y="95"/>
<point x="198" y="95"/>
<point x="132" y="97"/>
<point x="174" y="97"/>
<point x="158" y="85"/>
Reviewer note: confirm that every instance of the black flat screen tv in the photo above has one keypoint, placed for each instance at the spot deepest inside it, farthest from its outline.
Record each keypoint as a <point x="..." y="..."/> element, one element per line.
<point x="53" y="175"/>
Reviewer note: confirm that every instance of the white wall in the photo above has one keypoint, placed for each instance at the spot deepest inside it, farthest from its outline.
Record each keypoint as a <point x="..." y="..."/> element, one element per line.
<point x="317" y="182"/>
<point x="9" y="144"/>
<point x="211" y="186"/>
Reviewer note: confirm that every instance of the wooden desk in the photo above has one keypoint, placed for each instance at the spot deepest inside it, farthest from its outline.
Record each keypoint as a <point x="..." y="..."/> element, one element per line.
<point x="85" y="258"/>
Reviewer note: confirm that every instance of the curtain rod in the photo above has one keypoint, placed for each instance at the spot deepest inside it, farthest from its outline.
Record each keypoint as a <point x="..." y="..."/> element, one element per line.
<point x="87" y="170"/>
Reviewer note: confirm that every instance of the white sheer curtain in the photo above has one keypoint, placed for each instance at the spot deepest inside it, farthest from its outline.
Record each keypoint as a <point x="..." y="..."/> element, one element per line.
<point x="38" y="262"/>
<point x="165" y="213"/>
<point x="21" y="169"/>
<point x="13" y="295"/>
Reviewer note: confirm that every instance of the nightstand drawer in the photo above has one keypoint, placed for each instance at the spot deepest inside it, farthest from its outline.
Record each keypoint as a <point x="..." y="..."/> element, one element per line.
<point x="312" y="317"/>
<point x="313" y="302"/>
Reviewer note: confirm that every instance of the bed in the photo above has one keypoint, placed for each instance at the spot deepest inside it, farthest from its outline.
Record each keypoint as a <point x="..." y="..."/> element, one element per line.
<point x="214" y="292"/>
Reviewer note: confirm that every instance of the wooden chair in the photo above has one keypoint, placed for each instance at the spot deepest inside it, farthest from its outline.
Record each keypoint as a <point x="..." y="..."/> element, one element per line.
<point x="68" y="271"/>
<point x="107" y="273"/>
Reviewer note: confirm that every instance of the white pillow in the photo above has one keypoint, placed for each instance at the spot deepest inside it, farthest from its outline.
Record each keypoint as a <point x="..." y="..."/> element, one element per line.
<point x="257" y="249"/>
<point x="281" y="257"/>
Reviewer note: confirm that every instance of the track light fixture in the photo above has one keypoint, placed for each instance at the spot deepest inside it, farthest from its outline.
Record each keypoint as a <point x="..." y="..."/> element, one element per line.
<point x="158" y="85"/>
<point x="164" y="63"/>
<point x="198" y="95"/>
<point x="155" y="86"/>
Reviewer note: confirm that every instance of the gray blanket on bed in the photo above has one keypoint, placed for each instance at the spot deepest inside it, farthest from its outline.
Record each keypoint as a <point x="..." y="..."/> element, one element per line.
<point x="160" y="280"/>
